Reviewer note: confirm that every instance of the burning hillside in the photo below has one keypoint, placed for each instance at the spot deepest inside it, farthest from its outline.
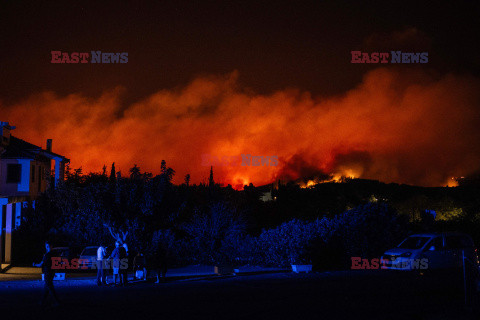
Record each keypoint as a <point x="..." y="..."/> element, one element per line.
<point x="396" y="126"/>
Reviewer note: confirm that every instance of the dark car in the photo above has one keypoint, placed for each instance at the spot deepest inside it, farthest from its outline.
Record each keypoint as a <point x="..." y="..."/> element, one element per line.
<point x="64" y="258"/>
<point x="432" y="251"/>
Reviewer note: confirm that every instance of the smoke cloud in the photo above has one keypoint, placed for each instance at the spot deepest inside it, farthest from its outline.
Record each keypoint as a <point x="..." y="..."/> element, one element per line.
<point x="404" y="126"/>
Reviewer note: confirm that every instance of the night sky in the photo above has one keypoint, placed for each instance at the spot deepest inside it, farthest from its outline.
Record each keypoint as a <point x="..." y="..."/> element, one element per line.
<point x="284" y="62"/>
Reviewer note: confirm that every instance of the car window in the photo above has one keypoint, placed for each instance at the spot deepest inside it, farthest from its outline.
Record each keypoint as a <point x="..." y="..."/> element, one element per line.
<point x="414" y="242"/>
<point x="437" y="243"/>
<point x="56" y="253"/>
<point x="458" y="242"/>
<point x="61" y="252"/>
<point x="453" y="242"/>
<point x="467" y="242"/>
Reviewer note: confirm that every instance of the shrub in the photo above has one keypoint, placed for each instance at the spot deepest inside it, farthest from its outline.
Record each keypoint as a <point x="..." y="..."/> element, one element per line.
<point x="292" y="242"/>
<point x="365" y="231"/>
<point x="212" y="235"/>
<point x="368" y="230"/>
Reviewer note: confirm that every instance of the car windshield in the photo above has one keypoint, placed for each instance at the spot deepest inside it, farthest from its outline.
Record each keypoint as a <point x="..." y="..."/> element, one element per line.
<point x="90" y="252"/>
<point x="414" y="242"/>
<point x="59" y="252"/>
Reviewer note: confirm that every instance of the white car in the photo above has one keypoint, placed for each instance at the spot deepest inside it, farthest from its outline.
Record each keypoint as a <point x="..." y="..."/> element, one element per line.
<point x="90" y="255"/>
<point x="431" y="251"/>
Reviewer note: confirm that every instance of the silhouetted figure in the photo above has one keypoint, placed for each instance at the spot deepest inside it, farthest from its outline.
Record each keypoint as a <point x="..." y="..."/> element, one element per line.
<point x="101" y="275"/>
<point x="123" y="266"/>
<point x="161" y="262"/>
<point x="115" y="256"/>
<point x="48" y="276"/>
<point x="140" y="263"/>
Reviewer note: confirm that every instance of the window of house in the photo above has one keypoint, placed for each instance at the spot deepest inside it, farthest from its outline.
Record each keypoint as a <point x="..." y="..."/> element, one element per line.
<point x="14" y="173"/>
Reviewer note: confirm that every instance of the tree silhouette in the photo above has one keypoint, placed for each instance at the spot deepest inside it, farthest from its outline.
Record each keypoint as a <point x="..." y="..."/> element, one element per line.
<point x="135" y="172"/>
<point x="113" y="177"/>
<point x="211" y="183"/>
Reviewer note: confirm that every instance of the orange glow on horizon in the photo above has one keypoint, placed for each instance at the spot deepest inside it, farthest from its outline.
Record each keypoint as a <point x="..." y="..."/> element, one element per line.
<point x="452" y="182"/>
<point x="403" y="127"/>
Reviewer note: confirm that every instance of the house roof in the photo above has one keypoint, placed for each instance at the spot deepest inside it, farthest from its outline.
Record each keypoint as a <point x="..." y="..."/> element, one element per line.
<point x="20" y="149"/>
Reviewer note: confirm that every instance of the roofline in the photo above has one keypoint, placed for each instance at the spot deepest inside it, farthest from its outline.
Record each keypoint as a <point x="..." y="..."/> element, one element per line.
<point x="36" y="150"/>
<point x="55" y="155"/>
<point x="13" y="158"/>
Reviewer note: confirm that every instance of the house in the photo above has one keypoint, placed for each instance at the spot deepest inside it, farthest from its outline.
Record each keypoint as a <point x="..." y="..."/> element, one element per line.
<point x="25" y="172"/>
<point x="268" y="192"/>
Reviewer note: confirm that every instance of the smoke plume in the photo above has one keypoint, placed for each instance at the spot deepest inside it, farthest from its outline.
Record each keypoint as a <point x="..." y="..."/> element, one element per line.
<point x="402" y="126"/>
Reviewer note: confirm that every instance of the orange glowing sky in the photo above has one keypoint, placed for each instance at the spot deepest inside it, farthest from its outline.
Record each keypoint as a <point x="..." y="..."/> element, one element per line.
<point x="400" y="126"/>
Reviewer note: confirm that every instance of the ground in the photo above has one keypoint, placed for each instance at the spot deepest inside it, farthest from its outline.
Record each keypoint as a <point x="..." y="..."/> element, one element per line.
<point x="359" y="294"/>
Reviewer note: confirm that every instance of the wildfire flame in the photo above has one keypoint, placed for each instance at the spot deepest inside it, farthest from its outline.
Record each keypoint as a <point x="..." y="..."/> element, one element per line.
<point x="396" y="126"/>
<point x="337" y="177"/>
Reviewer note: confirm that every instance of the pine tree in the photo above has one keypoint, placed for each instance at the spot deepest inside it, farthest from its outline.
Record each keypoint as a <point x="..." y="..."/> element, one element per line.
<point x="68" y="171"/>
<point x="163" y="167"/>
<point x="211" y="183"/>
<point x="113" y="177"/>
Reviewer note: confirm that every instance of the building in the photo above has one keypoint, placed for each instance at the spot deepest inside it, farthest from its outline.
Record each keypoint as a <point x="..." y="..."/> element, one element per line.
<point x="26" y="170"/>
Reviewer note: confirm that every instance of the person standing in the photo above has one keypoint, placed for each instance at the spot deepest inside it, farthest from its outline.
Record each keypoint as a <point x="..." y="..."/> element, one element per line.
<point x="123" y="265"/>
<point x="101" y="275"/>
<point x="115" y="256"/>
<point x="125" y="246"/>
<point x="48" y="276"/>
<point x="161" y="262"/>
<point x="140" y="264"/>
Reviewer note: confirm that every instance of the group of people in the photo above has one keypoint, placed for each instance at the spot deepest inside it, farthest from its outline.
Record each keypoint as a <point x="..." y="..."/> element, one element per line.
<point x="119" y="256"/>
<point x="120" y="265"/>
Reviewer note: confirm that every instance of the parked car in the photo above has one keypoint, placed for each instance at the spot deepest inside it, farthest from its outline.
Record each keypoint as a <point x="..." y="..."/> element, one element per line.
<point x="67" y="253"/>
<point x="89" y="255"/>
<point x="61" y="252"/>
<point x="432" y="251"/>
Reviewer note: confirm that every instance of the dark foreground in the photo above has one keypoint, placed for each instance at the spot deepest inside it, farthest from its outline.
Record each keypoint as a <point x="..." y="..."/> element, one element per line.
<point x="336" y="295"/>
